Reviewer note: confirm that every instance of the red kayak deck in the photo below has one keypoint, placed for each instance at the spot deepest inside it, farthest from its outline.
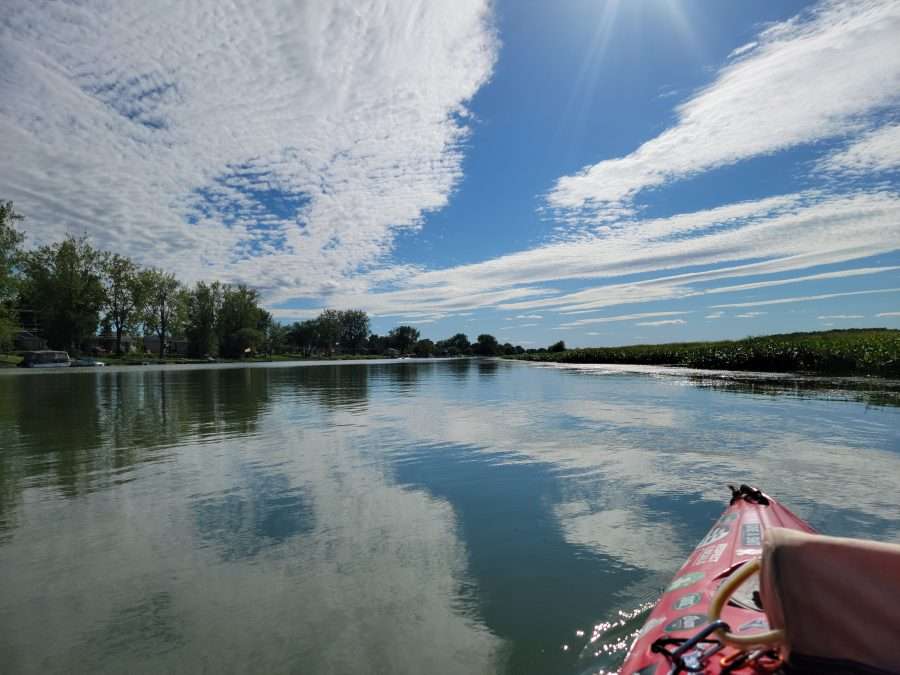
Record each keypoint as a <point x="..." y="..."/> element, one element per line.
<point x="682" y="610"/>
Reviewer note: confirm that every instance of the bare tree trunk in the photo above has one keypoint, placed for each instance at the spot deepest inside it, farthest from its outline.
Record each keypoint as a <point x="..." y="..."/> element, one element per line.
<point x="162" y="335"/>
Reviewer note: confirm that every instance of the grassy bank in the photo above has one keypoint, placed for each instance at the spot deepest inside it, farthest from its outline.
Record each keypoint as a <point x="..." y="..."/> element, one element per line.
<point x="838" y="352"/>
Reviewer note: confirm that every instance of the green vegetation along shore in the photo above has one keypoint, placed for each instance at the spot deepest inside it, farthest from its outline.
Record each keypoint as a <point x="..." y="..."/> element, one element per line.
<point x="73" y="297"/>
<point x="873" y="351"/>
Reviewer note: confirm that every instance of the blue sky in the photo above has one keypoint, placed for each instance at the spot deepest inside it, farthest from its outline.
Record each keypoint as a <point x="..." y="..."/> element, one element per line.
<point x="599" y="172"/>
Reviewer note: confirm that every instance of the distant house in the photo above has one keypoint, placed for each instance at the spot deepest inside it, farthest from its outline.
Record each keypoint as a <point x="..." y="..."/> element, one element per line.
<point x="25" y="340"/>
<point x="176" y="346"/>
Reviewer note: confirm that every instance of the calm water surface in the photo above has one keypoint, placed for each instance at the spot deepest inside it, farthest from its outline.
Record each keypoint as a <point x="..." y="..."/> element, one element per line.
<point x="432" y="517"/>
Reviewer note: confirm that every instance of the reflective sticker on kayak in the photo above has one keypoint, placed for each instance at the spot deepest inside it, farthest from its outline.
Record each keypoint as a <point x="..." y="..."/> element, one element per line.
<point x="728" y="518"/>
<point x="688" y="600"/>
<point x="748" y="551"/>
<point x="714" y="535"/>
<point x="650" y="625"/>
<point x="710" y="554"/>
<point x="751" y="534"/>
<point x="686" y="580"/>
<point x="686" y="622"/>
<point x="755" y="624"/>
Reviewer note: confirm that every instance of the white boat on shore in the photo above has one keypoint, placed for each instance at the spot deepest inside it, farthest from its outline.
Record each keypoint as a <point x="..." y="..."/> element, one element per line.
<point x="46" y="358"/>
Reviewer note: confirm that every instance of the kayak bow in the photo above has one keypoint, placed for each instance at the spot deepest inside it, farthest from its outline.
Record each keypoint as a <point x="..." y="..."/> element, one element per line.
<point x="680" y="628"/>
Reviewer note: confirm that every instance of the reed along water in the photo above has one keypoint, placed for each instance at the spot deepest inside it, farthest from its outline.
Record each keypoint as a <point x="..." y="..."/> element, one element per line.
<point x="405" y="517"/>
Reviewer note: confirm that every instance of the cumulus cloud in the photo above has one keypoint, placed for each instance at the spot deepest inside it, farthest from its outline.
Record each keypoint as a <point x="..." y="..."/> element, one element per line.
<point x="773" y="96"/>
<point x="278" y="143"/>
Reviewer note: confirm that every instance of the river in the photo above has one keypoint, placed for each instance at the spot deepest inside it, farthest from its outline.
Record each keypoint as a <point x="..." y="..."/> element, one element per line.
<point x="406" y="517"/>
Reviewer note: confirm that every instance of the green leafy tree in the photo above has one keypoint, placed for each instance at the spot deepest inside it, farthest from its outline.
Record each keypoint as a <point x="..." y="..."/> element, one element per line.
<point x="63" y="287"/>
<point x="354" y="330"/>
<point x="487" y="345"/>
<point x="328" y="331"/>
<point x="204" y="305"/>
<point x="165" y="306"/>
<point x="377" y="344"/>
<point x="125" y="294"/>
<point x="242" y="322"/>
<point x="303" y="337"/>
<point x="10" y="240"/>
<point x="246" y="340"/>
<point x="277" y="338"/>
<point x="557" y="347"/>
<point x="403" y="338"/>
<point x="424" y="348"/>
<point x="458" y="345"/>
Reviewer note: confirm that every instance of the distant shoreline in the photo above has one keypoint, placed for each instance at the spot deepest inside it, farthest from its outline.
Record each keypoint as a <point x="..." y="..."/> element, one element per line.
<point x="13" y="360"/>
<point x="859" y="352"/>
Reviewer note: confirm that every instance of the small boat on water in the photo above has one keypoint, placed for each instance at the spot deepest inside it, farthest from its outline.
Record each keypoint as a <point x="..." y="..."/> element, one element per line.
<point x="45" y="358"/>
<point x="763" y="593"/>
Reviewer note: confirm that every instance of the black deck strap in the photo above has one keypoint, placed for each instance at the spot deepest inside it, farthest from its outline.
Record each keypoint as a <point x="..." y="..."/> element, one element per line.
<point x="748" y="494"/>
<point x="685" y="644"/>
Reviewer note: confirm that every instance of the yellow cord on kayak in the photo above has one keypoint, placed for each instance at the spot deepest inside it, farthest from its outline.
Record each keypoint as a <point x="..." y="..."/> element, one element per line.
<point x="725" y="591"/>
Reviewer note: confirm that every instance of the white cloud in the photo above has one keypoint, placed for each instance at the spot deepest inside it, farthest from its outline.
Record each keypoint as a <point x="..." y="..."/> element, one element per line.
<point x="878" y="150"/>
<point x="620" y="317"/>
<point x="290" y="315"/>
<point x="286" y="147"/>
<point x="278" y="143"/>
<point x="742" y="50"/>
<point x="749" y="315"/>
<point x="662" y="322"/>
<point x="884" y="314"/>
<point x="779" y="235"/>
<point x="827" y="317"/>
<point x="808" y="298"/>
<point x="808" y="78"/>
<point x="840" y="274"/>
<point x="714" y="315"/>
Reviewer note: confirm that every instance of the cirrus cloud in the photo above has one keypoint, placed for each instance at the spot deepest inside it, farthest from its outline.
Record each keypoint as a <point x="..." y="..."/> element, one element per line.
<point x="770" y="98"/>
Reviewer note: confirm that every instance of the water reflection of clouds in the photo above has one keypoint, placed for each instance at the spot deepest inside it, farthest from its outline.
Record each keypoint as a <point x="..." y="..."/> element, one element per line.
<point x="821" y="457"/>
<point x="333" y="516"/>
<point x="283" y="548"/>
<point x="260" y="510"/>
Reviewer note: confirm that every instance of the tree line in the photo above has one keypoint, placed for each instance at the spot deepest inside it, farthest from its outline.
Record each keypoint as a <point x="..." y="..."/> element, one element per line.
<point x="70" y="292"/>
